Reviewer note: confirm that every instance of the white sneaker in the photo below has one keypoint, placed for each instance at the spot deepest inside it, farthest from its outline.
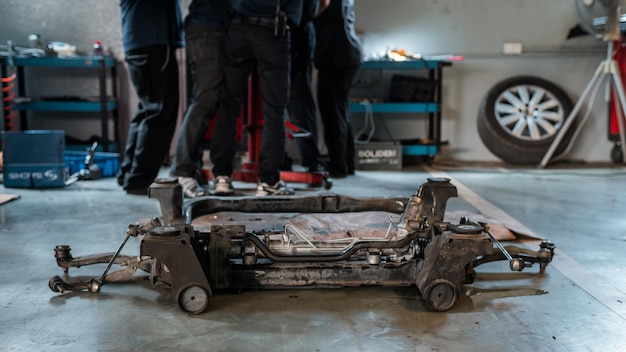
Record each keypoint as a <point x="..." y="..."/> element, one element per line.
<point x="191" y="188"/>
<point x="222" y="186"/>
<point x="279" y="189"/>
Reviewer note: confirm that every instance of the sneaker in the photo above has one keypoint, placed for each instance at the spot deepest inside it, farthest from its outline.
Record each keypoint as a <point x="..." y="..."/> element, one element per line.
<point x="279" y="189"/>
<point x="222" y="186"/>
<point x="191" y="188"/>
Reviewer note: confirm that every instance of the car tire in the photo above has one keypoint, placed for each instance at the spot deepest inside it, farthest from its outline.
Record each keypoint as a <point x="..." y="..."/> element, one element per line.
<point x="519" y="118"/>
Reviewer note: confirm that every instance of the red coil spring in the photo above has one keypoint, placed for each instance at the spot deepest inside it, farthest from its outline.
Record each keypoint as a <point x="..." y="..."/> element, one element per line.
<point x="8" y="101"/>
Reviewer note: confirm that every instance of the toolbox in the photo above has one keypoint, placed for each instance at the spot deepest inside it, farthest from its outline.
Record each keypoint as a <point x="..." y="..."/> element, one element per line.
<point x="33" y="159"/>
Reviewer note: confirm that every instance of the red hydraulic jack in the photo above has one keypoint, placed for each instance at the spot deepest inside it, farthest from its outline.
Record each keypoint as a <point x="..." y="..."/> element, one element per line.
<point x="249" y="171"/>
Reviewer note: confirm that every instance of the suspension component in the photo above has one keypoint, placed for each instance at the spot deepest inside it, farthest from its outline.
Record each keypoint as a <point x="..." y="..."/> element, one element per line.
<point x="516" y="264"/>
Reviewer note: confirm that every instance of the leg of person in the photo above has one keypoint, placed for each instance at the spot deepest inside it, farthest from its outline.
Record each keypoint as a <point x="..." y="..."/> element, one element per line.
<point x="347" y="76"/>
<point x="303" y="114"/>
<point x="302" y="109"/>
<point x="350" y="149"/>
<point x="238" y="64"/>
<point x="273" y="60"/>
<point x="131" y="142"/>
<point x="155" y="76"/>
<point x="137" y="63"/>
<point x="204" y="52"/>
<point x="329" y="90"/>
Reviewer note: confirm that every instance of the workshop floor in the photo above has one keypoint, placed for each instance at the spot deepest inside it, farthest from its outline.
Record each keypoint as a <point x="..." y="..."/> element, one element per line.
<point x="579" y="305"/>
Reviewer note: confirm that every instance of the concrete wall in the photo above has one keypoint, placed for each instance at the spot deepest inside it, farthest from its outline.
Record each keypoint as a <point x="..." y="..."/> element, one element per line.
<point x="476" y="29"/>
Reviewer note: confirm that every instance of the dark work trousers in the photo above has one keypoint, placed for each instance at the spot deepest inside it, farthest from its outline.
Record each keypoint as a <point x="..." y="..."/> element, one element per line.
<point x="248" y="47"/>
<point x="205" y="54"/>
<point x="154" y="73"/>
<point x="333" y="87"/>
<point x="302" y="108"/>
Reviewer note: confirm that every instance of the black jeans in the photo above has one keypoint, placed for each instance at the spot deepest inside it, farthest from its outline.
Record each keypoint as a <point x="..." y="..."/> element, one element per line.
<point x="205" y="54"/>
<point x="302" y="108"/>
<point x="248" y="47"/>
<point x="333" y="88"/>
<point x="154" y="73"/>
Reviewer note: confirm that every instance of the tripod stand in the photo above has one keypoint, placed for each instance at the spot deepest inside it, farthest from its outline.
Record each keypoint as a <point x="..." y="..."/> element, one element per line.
<point x="606" y="68"/>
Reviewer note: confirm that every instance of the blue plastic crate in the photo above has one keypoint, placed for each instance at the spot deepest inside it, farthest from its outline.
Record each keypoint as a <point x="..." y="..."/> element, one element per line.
<point x="109" y="163"/>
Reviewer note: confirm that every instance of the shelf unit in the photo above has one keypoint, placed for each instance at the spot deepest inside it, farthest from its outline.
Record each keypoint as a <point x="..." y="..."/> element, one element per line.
<point x="106" y="104"/>
<point x="432" y="109"/>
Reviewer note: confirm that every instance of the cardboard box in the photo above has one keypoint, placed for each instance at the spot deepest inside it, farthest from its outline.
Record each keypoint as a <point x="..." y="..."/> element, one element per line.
<point x="33" y="159"/>
<point x="378" y="156"/>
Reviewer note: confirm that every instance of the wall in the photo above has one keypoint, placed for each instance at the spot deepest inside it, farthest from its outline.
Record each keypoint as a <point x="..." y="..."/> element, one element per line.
<point x="476" y="29"/>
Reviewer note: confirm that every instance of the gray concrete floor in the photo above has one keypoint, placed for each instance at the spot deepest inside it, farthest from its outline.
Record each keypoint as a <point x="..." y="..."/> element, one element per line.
<point x="580" y="304"/>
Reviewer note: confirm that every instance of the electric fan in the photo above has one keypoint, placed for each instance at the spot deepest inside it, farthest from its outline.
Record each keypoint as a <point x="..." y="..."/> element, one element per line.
<point x="602" y="18"/>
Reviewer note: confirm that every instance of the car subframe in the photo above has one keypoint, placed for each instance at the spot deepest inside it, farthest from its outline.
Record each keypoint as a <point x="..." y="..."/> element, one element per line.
<point x="419" y="248"/>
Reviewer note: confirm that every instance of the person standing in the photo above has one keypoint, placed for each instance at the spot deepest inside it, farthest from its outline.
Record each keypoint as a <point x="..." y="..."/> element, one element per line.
<point x="302" y="108"/>
<point x="258" y="38"/>
<point x="337" y="59"/>
<point x="204" y="40"/>
<point x="151" y="32"/>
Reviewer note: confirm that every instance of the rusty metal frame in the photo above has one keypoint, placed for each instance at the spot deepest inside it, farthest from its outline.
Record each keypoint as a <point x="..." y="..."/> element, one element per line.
<point x="193" y="264"/>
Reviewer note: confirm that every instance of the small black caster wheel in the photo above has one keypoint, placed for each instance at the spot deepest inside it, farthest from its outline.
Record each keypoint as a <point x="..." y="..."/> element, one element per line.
<point x="616" y="154"/>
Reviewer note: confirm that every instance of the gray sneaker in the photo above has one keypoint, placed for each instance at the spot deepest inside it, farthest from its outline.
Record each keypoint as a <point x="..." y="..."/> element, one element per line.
<point x="222" y="186"/>
<point x="191" y="188"/>
<point x="279" y="189"/>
